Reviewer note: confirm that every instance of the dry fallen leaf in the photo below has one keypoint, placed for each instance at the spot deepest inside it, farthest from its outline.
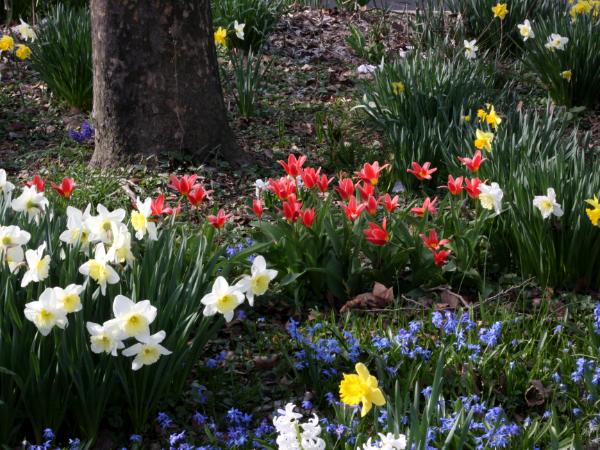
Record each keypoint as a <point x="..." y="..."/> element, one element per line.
<point x="379" y="298"/>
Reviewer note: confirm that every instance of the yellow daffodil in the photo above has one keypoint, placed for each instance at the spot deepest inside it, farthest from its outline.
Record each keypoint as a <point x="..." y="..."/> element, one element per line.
<point x="398" y="87"/>
<point x="593" y="212"/>
<point x="467" y="118"/>
<point x="566" y="74"/>
<point x="361" y="387"/>
<point x="500" y="10"/>
<point x="483" y="140"/>
<point x="221" y="36"/>
<point x="7" y="43"/>
<point x="22" y="52"/>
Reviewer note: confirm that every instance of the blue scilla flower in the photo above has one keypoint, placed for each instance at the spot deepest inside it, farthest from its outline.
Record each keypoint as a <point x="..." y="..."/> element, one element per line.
<point x="164" y="421"/>
<point x="427" y="391"/>
<point x="383" y="415"/>
<point x="74" y="444"/>
<point x="556" y="377"/>
<point x="380" y="342"/>
<point x="174" y="438"/>
<point x="85" y="133"/>
<point x="597" y="318"/>
<point x="135" y="438"/>
<point x="263" y="428"/>
<point x="237" y="437"/>
<point x="557" y="329"/>
<point x="490" y="336"/>
<point x="48" y="434"/>
<point x="199" y="419"/>
<point x="576" y="412"/>
<point x="307" y="404"/>
<point x="353" y="346"/>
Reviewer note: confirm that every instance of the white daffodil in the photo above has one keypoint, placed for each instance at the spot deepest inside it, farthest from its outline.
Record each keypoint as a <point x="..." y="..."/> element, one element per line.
<point x="121" y="247"/>
<point x="25" y="31"/>
<point x="98" y="268"/>
<point x="471" y="49"/>
<point x="38" y="266"/>
<point x="6" y="187"/>
<point x="258" y="282"/>
<point x="239" y="29"/>
<point x="104" y="224"/>
<point x="223" y="299"/>
<point x="31" y="202"/>
<point x="147" y="351"/>
<point x="14" y="256"/>
<point x="140" y="220"/>
<point x="491" y="197"/>
<point x="525" y="30"/>
<point x="77" y="231"/>
<point x="46" y="313"/>
<point x="547" y="204"/>
<point x="68" y="298"/>
<point x="103" y="339"/>
<point x="556" y="42"/>
<point x="132" y="319"/>
<point x="12" y="236"/>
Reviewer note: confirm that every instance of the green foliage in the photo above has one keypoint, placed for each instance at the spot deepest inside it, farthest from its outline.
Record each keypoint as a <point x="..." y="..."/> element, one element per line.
<point x="62" y="55"/>
<point x="259" y="17"/>
<point x="531" y="154"/>
<point x="369" y="47"/>
<point x="479" y="22"/>
<point x="581" y="56"/>
<point x="56" y="381"/>
<point x="249" y="72"/>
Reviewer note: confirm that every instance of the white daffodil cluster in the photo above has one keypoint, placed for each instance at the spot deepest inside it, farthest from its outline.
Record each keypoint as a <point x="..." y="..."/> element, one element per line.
<point x="225" y="298"/>
<point x="293" y="435"/>
<point x="12" y="240"/>
<point x="52" y="307"/>
<point x="132" y="320"/>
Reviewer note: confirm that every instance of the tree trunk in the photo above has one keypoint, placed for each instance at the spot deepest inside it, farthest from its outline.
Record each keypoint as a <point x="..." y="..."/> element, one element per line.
<point x="156" y="81"/>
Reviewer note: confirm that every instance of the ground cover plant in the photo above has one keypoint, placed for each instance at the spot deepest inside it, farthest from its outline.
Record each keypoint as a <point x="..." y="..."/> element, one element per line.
<point x="411" y="261"/>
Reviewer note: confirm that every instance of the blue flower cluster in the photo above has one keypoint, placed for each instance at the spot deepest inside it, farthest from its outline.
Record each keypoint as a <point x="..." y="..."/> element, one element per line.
<point x="85" y="133"/>
<point x="49" y="436"/>
<point x="325" y="351"/>
<point x="238" y="431"/>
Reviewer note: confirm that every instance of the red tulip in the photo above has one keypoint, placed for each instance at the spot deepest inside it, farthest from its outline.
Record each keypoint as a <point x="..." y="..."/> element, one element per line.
<point x="323" y="183"/>
<point x="283" y="187"/>
<point x="37" y="182"/>
<point x="455" y="186"/>
<point x="197" y="195"/>
<point x="377" y="235"/>
<point x="308" y="217"/>
<point x="65" y="188"/>
<point x="370" y="172"/>
<point x="345" y="188"/>
<point x="219" y="220"/>
<point x="472" y="164"/>
<point x="389" y="203"/>
<point x="472" y="187"/>
<point x="371" y="205"/>
<point x="366" y="190"/>
<point x="294" y="166"/>
<point x="422" y="172"/>
<point x="353" y="210"/>
<point x="310" y="177"/>
<point x="157" y="206"/>
<point x="257" y="207"/>
<point x="291" y="208"/>
<point x="432" y="241"/>
<point x="429" y="206"/>
<point x="441" y="257"/>
<point x="183" y="185"/>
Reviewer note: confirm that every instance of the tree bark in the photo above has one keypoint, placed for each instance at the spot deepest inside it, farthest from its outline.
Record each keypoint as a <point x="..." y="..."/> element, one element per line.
<point x="156" y="81"/>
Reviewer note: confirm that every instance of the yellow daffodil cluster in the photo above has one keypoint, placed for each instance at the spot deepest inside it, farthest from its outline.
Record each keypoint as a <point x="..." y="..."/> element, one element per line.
<point x="21" y="51"/>
<point x="489" y="116"/>
<point x="585" y="7"/>
<point x="221" y="36"/>
<point x="594" y="212"/>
